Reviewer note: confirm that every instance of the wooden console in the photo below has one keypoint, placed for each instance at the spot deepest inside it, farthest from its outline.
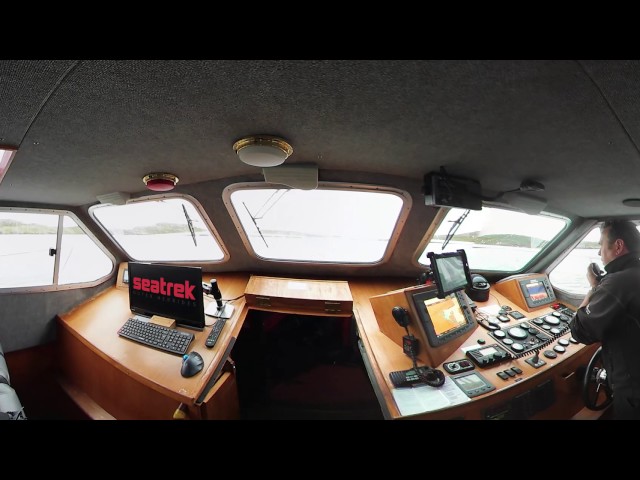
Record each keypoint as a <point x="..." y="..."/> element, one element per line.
<point x="324" y="297"/>
<point x="383" y="306"/>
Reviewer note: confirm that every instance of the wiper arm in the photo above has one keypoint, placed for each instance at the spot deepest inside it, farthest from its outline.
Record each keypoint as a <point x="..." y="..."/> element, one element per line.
<point x="190" y="224"/>
<point x="253" y="219"/>
<point x="454" y="228"/>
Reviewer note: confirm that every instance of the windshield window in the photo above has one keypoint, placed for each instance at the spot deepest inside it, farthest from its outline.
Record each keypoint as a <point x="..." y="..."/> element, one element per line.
<point x="329" y="224"/>
<point x="494" y="238"/>
<point x="169" y="229"/>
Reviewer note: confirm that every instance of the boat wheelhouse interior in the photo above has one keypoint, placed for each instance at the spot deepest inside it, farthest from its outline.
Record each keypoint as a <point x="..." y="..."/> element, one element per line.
<point x="307" y="239"/>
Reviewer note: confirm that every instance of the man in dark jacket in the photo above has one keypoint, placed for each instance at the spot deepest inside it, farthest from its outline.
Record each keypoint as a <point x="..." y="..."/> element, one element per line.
<point x="610" y="314"/>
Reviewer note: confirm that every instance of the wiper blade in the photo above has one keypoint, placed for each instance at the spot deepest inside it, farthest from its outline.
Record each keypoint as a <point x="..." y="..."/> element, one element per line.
<point x="253" y="219"/>
<point x="190" y="224"/>
<point x="454" y="228"/>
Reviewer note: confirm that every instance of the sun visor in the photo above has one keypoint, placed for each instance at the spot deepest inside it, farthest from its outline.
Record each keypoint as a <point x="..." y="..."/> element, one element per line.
<point x="302" y="175"/>
<point x="525" y="202"/>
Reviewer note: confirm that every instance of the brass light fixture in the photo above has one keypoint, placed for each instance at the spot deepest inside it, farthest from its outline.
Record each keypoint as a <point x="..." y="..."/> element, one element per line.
<point x="262" y="150"/>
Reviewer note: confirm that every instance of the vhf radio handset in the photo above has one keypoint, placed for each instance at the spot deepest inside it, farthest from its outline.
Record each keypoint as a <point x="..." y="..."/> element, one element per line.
<point x="595" y="269"/>
<point x="411" y="346"/>
<point x="218" y="309"/>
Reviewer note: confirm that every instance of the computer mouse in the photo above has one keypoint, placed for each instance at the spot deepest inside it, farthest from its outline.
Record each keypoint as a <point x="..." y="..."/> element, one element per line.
<point x="192" y="363"/>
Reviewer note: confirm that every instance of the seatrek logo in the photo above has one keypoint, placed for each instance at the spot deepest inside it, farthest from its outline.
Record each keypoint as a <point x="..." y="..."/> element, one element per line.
<point x="162" y="287"/>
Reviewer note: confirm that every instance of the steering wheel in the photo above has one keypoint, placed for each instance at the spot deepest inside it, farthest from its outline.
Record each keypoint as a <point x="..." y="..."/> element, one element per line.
<point x="596" y="392"/>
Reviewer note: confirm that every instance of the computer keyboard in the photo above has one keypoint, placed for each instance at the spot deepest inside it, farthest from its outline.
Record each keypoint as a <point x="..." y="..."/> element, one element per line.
<point x="156" y="336"/>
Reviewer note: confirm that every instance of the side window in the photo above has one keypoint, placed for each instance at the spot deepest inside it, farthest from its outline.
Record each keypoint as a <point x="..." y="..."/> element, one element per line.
<point x="81" y="260"/>
<point x="494" y="238"/>
<point x="570" y="274"/>
<point x="48" y="249"/>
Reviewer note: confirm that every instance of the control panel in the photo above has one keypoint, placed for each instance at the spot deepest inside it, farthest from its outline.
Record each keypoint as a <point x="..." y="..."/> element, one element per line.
<point x="530" y="291"/>
<point x="488" y="355"/>
<point x="523" y="337"/>
<point x="458" y="366"/>
<point x="473" y="384"/>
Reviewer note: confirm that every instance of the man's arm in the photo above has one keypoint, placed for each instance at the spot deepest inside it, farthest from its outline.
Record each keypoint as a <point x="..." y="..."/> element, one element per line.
<point x="596" y="314"/>
<point x="586" y="325"/>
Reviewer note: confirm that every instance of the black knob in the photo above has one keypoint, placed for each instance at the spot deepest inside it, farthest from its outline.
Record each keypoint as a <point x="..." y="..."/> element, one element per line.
<point x="401" y="316"/>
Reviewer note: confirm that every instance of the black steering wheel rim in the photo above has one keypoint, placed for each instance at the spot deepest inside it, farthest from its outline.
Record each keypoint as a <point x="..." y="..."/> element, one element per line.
<point x="596" y="391"/>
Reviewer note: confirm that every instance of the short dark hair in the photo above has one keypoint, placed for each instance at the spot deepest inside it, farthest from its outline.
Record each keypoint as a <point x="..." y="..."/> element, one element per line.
<point x="625" y="230"/>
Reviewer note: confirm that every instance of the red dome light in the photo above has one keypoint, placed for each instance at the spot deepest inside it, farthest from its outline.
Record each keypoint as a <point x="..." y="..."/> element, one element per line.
<point x="160" y="182"/>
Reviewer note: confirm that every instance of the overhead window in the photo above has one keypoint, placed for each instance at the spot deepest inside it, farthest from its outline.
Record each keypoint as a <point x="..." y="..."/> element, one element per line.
<point x="48" y="249"/>
<point x="334" y="223"/>
<point x="493" y="238"/>
<point x="170" y="228"/>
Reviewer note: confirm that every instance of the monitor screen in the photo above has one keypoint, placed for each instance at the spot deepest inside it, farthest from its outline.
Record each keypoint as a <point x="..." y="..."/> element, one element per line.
<point x="450" y="271"/>
<point x="172" y="291"/>
<point x="443" y="319"/>
<point x="536" y="290"/>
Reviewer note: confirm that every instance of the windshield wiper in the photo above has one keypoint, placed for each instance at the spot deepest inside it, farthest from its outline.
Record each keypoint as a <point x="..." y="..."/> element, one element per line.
<point x="253" y="219"/>
<point x="265" y="208"/>
<point x="454" y="228"/>
<point x="190" y="224"/>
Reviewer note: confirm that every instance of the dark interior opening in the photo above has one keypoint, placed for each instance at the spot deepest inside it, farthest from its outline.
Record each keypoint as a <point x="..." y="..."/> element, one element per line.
<point x="292" y="366"/>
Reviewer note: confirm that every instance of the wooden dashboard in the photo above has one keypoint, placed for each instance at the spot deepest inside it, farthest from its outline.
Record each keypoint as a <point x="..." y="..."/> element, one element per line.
<point x="132" y="382"/>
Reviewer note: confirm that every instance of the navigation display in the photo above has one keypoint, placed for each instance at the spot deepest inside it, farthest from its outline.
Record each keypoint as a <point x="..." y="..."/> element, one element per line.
<point x="446" y="314"/>
<point x="536" y="290"/>
<point x="443" y="319"/>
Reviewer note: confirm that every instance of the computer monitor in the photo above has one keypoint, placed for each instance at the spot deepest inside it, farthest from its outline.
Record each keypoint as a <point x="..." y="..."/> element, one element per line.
<point x="442" y="319"/>
<point x="172" y="291"/>
<point x="450" y="271"/>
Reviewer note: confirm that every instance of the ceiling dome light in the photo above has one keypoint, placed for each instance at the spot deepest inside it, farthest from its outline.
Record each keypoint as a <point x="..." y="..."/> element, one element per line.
<point x="160" y="182"/>
<point x="262" y="150"/>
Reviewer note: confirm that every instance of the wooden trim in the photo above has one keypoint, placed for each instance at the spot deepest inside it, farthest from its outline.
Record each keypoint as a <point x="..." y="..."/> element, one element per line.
<point x="84" y="402"/>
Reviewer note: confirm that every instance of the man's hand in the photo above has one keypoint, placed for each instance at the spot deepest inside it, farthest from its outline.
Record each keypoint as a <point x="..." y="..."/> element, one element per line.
<point x="593" y="274"/>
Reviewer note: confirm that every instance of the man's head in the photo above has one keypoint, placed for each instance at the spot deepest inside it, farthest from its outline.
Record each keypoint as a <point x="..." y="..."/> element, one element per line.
<point x="618" y="237"/>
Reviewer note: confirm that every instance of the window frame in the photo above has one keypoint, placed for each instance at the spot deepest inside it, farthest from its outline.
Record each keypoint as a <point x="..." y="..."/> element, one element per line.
<point x="199" y="208"/>
<point x="407" y="202"/>
<point x="55" y="287"/>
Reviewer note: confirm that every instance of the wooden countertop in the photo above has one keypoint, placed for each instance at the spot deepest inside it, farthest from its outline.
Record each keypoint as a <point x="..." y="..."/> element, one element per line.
<point x="95" y="323"/>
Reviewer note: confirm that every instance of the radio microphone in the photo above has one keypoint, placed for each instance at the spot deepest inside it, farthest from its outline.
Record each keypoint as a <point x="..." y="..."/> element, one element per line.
<point x="215" y="291"/>
<point x="218" y="309"/>
<point x="401" y="316"/>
